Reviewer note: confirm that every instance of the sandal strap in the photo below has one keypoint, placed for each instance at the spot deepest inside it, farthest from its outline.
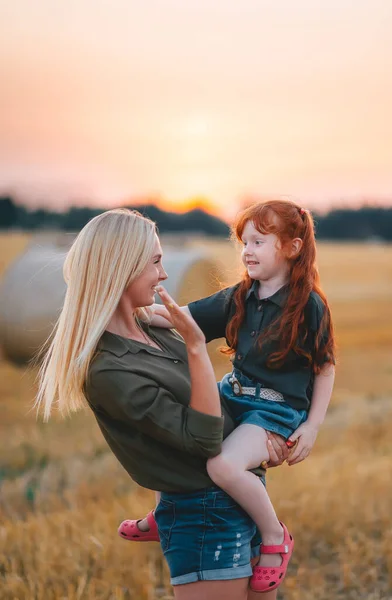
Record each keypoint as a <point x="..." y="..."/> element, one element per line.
<point x="280" y="549"/>
<point x="151" y="521"/>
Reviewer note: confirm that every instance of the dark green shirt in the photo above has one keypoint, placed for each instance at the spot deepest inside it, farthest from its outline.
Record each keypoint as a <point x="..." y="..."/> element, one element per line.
<point x="295" y="378"/>
<point x="140" y="398"/>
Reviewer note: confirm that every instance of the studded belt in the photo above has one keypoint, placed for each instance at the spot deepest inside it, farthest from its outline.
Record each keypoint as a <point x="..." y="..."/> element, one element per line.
<point x="264" y="393"/>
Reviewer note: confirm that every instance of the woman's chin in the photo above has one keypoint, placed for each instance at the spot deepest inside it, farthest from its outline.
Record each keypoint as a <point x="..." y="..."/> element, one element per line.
<point x="151" y="300"/>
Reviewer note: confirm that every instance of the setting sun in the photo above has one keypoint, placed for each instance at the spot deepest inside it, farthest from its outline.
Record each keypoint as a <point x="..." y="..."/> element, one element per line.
<point x="196" y="100"/>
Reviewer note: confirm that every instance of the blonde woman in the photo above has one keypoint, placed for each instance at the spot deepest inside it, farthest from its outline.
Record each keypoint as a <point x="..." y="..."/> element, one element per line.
<point x="155" y="400"/>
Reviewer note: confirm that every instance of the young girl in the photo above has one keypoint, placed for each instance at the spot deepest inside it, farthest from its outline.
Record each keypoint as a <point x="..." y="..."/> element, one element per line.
<point x="278" y="328"/>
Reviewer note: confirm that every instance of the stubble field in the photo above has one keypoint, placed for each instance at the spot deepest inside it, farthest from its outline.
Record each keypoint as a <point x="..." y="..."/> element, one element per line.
<point x="62" y="494"/>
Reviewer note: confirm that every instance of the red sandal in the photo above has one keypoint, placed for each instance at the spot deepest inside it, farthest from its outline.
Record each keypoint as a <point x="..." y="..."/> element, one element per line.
<point x="266" y="579"/>
<point x="129" y="530"/>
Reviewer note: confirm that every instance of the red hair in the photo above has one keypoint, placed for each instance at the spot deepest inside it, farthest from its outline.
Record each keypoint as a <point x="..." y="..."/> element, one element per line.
<point x="287" y="221"/>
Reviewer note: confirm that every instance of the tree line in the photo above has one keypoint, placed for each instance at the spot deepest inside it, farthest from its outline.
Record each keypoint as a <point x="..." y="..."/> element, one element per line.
<point x="361" y="224"/>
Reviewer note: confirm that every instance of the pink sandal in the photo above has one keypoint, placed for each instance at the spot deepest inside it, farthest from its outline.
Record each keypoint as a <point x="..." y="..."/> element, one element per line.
<point x="266" y="579"/>
<point x="129" y="530"/>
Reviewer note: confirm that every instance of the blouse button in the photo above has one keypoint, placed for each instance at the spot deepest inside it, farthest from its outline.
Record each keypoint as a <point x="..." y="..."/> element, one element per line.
<point x="260" y="308"/>
<point x="239" y="356"/>
<point x="253" y="333"/>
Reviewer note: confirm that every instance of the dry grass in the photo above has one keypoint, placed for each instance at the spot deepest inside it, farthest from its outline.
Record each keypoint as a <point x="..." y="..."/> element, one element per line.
<point x="63" y="494"/>
<point x="11" y="245"/>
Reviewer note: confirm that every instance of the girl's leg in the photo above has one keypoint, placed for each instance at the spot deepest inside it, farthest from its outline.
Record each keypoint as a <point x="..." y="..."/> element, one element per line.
<point x="143" y="524"/>
<point x="243" y="449"/>
<point x="232" y="589"/>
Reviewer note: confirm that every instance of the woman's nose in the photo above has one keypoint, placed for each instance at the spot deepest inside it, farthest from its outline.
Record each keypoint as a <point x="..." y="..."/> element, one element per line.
<point x="163" y="275"/>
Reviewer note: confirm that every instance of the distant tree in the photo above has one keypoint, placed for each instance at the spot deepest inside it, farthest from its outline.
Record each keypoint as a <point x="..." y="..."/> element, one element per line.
<point x="199" y="220"/>
<point x="196" y="220"/>
<point x="77" y="217"/>
<point x="366" y="223"/>
<point x="166" y="221"/>
<point x="360" y="224"/>
<point x="44" y="219"/>
<point x="8" y="213"/>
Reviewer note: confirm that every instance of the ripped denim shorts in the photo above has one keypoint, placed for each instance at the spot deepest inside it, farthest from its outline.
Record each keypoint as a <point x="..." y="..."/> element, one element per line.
<point x="205" y="536"/>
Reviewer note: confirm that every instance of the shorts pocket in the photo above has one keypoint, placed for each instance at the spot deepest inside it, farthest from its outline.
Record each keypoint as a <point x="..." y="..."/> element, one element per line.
<point x="223" y="513"/>
<point x="222" y="500"/>
<point x="165" y="517"/>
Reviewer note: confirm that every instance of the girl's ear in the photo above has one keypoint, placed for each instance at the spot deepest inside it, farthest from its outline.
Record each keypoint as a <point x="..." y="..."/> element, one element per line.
<point x="295" y="247"/>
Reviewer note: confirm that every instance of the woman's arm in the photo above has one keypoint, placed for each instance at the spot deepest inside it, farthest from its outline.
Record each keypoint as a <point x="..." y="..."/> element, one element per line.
<point x="136" y="398"/>
<point x="128" y="399"/>
<point x="204" y="391"/>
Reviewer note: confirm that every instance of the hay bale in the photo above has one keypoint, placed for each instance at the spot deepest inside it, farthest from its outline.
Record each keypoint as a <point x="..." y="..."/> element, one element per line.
<point x="31" y="296"/>
<point x="191" y="275"/>
<point x="33" y="290"/>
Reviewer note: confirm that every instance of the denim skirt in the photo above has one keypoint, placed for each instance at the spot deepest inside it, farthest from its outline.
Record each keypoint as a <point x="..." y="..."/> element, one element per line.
<point x="277" y="417"/>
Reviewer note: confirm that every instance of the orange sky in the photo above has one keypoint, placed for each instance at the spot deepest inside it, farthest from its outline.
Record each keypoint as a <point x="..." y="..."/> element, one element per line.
<point x="181" y="98"/>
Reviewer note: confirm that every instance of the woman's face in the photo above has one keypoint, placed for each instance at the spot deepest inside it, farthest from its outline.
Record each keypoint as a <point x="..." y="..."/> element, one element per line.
<point x="141" y="292"/>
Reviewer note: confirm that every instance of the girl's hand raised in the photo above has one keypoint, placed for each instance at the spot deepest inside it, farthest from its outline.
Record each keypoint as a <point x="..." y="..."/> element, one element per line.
<point x="182" y="321"/>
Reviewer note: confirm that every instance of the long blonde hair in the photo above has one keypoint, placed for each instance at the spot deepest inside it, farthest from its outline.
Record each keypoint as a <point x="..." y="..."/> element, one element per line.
<point x="109" y="253"/>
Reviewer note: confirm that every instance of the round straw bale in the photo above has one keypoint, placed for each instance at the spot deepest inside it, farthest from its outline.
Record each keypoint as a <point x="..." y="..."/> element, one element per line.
<point x="33" y="289"/>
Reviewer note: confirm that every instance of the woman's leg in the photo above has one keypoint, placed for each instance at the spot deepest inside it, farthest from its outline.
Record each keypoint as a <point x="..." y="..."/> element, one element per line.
<point x="243" y="449"/>
<point x="266" y="595"/>
<point x="233" y="589"/>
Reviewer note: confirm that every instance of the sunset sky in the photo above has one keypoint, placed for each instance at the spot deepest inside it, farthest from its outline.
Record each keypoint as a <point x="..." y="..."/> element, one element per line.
<point x="105" y="100"/>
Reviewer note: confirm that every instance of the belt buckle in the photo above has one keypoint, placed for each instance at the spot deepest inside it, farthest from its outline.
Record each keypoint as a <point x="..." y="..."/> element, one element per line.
<point x="236" y="386"/>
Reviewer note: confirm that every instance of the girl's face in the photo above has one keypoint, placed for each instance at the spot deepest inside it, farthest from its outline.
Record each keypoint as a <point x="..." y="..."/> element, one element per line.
<point x="142" y="292"/>
<point x="262" y="254"/>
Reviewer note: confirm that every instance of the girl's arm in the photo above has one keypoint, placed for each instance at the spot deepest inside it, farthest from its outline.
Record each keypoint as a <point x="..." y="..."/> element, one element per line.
<point x="211" y="314"/>
<point x="322" y="392"/>
<point x="161" y="317"/>
<point x="306" y="433"/>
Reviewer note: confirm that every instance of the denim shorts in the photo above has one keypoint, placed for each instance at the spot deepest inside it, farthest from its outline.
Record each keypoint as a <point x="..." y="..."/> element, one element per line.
<point x="277" y="417"/>
<point x="205" y="536"/>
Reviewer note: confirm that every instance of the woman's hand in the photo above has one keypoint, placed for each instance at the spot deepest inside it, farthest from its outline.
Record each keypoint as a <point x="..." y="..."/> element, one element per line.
<point x="183" y="322"/>
<point x="277" y="450"/>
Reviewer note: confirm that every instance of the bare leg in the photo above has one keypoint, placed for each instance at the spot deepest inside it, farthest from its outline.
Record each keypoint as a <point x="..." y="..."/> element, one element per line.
<point x="266" y="595"/>
<point x="243" y="449"/>
<point x="235" y="589"/>
<point x="232" y="589"/>
<point x="143" y="525"/>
